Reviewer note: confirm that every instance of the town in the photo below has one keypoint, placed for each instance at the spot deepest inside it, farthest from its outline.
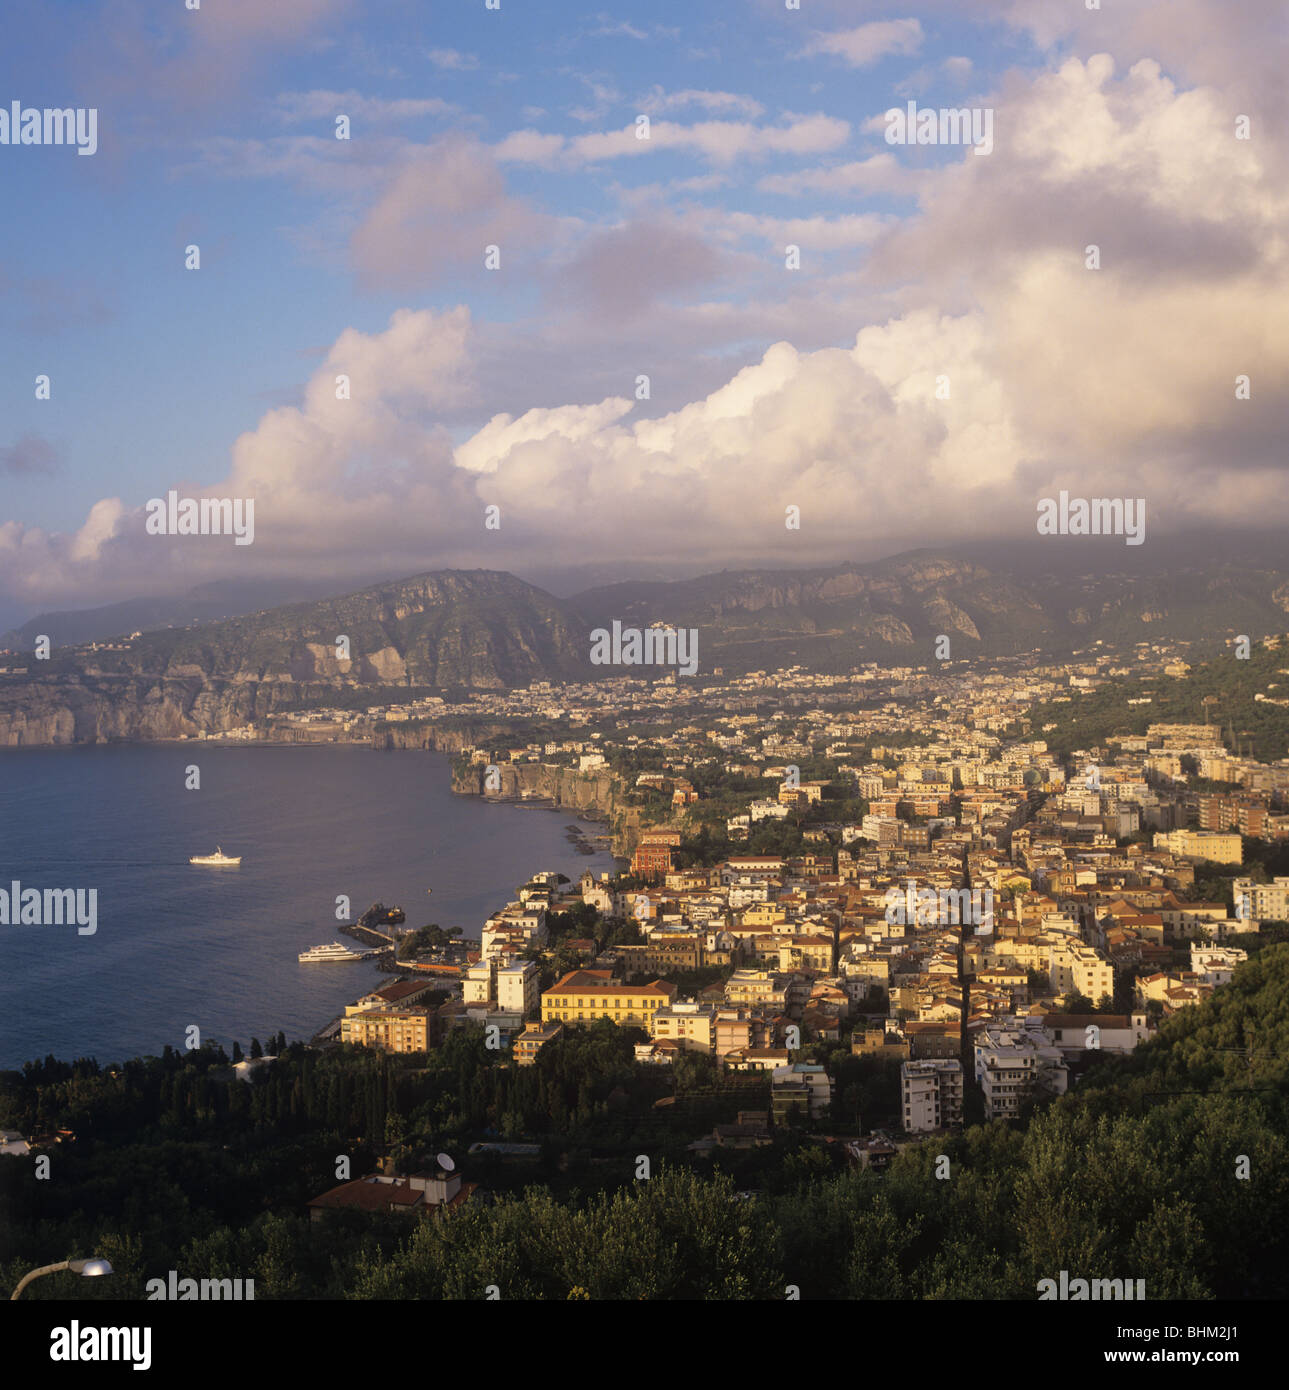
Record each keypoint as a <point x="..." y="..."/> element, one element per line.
<point x="759" y="936"/>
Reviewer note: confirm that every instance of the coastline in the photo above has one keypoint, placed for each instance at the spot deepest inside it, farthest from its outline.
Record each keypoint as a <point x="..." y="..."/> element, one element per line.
<point x="201" y="956"/>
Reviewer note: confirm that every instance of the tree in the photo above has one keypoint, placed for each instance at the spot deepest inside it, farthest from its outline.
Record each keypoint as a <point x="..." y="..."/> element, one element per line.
<point x="256" y="1050"/>
<point x="237" y="1053"/>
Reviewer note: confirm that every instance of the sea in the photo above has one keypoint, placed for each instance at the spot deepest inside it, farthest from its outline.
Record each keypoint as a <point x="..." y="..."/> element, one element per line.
<point x="179" y="946"/>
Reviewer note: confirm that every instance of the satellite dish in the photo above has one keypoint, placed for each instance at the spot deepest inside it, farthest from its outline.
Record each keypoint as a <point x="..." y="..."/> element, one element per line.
<point x="446" y="1163"/>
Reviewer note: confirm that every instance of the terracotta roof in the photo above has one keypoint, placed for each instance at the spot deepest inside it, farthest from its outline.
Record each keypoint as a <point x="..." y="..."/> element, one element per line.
<point x="1084" y="1020"/>
<point x="365" y="1194"/>
<point x="600" y="982"/>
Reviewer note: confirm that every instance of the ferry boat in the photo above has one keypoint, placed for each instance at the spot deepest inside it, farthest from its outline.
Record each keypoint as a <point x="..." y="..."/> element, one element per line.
<point x="219" y="857"/>
<point x="337" y="950"/>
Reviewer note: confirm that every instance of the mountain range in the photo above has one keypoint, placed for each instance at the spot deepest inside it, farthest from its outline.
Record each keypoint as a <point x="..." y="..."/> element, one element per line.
<point x="488" y="630"/>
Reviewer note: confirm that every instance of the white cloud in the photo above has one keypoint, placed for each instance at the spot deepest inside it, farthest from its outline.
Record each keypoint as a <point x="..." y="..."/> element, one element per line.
<point x="719" y="142"/>
<point x="879" y="173"/>
<point x="326" y="106"/>
<point x="865" y="45"/>
<point x="733" y="102"/>
<point x="451" y="60"/>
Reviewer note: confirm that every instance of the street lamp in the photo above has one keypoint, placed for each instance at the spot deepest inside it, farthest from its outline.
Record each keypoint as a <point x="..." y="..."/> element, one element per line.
<point x="90" y="1268"/>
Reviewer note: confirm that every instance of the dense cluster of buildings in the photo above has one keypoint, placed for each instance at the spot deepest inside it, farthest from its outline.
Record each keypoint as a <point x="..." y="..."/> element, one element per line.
<point x="992" y="906"/>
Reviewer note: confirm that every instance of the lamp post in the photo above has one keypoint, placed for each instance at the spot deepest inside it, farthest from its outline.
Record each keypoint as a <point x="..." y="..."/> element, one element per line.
<point x="90" y="1268"/>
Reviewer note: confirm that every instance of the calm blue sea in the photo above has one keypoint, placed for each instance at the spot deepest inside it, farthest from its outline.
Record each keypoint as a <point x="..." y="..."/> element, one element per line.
<point x="178" y="944"/>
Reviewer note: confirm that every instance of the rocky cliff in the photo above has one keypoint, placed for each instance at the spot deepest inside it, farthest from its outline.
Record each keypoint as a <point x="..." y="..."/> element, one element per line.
<point x="596" y="794"/>
<point x="90" y="709"/>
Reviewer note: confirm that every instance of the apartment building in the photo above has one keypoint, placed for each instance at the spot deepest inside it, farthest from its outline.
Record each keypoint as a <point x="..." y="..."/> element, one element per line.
<point x="530" y="1042"/>
<point x="759" y="987"/>
<point x="1016" y="1059"/>
<point x="666" y="953"/>
<point x="1202" y="844"/>
<point x="393" y="1029"/>
<point x="691" y="1024"/>
<point x="931" y="1093"/>
<point x="1215" y="965"/>
<point x="1262" y="902"/>
<point x="803" y="1090"/>
<point x="519" y="988"/>
<point x="1081" y="970"/>
<point x="740" y="1028"/>
<point x="478" y="983"/>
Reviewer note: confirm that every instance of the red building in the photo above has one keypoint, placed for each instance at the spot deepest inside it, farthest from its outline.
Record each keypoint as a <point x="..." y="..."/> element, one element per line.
<point x="655" y="854"/>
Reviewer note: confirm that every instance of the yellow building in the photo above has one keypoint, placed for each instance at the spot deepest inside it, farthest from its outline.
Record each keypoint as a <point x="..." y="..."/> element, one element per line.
<point x="763" y="915"/>
<point x="584" y="995"/>
<point x="530" y="1042"/>
<point x="395" y="1030"/>
<point x="1202" y="844"/>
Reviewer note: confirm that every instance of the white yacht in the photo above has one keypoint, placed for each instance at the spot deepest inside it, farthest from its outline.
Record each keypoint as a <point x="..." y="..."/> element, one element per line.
<point x="219" y="857"/>
<point x="337" y="950"/>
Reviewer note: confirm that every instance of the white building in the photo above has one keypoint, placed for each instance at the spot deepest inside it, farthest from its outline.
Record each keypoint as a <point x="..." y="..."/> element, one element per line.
<point x="1016" y="1059"/>
<point x="519" y="988"/>
<point x="1262" y="901"/>
<point x="478" y="982"/>
<point x="1216" y="964"/>
<point x="931" y="1091"/>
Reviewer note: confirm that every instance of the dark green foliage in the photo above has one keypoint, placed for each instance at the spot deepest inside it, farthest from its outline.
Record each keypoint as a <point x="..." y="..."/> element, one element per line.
<point x="1138" y="1173"/>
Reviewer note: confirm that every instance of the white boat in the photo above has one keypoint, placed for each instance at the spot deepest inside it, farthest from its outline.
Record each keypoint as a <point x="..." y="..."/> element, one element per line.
<point x="219" y="857"/>
<point x="337" y="950"/>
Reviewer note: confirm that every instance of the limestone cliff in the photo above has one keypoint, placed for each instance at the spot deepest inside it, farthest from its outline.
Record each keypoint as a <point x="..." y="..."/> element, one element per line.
<point x="597" y="794"/>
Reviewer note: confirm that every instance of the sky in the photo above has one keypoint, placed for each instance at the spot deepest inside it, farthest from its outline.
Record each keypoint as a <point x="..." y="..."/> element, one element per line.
<point x="935" y="357"/>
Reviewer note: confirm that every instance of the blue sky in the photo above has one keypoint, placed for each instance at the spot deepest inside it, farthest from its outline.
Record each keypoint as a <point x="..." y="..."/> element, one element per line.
<point x="216" y="127"/>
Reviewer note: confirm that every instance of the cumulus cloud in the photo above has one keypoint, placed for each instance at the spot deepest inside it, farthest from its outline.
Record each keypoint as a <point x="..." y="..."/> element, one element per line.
<point x="1004" y="370"/>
